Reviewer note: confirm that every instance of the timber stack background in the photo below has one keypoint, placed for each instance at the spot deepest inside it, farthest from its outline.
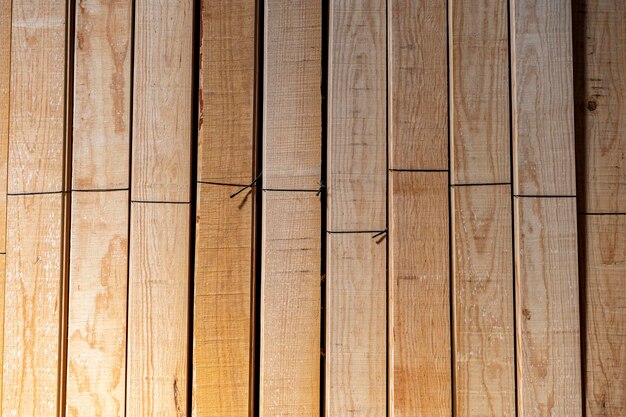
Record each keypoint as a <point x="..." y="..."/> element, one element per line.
<point x="305" y="208"/>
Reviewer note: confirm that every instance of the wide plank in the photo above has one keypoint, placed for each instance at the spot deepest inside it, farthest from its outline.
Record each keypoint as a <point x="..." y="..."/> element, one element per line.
<point x="5" y="80"/>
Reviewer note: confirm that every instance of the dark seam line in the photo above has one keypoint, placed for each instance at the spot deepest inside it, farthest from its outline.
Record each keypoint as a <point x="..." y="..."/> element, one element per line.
<point x="38" y="193"/>
<point x="225" y="184"/>
<point x="416" y="170"/>
<point x="543" y="196"/>
<point x="160" y="202"/>
<point x="3" y="253"/>
<point x="356" y="231"/>
<point x="479" y="184"/>
<point x="603" y="214"/>
<point x="95" y="190"/>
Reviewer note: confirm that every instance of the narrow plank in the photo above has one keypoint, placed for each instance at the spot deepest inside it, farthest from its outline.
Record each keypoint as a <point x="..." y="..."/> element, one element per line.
<point x="2" y="302"/>
<point x="357" y="117"/>
<point x="222" y="303"/>
<point x="418" y="84"/>
<point x="156" y="383"/>
<point x="96" y="363"/>
<point x="32" y="306"/>
<point x="605" y="301"/>
<point x="419" y="303"/>
<point x="542" y="98"/>
<point x="101" y="135"/>
<point x="5" y="81"/>
<point x="356" y="305"/>
<point x="482" y="270"/>
<point x="290" y="305"/>
<point x="599" y="61"/>
<point x="548" y="333"/>
<point x="162" y="100"/>
<point x="36" y="130"/>
<point x="479" y="73"/>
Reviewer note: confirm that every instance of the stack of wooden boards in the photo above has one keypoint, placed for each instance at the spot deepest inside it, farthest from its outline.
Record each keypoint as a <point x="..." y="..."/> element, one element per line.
<point x="306" y="208"/>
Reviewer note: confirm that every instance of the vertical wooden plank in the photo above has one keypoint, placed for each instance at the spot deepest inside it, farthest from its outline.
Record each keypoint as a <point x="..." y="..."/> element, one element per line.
<point x="96" y="354"/>
<point x="357" y="118"/>
<point x="479" y="78"/>
<point x="5" y="80"/>
<point x="356" y="325"/>
<point x="162" y="100"/>
<point x="2" y="292"/>
<point x="418" y="84"/>
<point x="482" y="270"/>
<point x="156" y="383"/>
<point x="32" y="306"/>
<point x="420" y="374"/>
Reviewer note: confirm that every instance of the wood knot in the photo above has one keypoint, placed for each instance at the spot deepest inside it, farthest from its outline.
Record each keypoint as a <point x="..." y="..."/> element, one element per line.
<point x="592" y="105"/>
<point x="526" y="314"/>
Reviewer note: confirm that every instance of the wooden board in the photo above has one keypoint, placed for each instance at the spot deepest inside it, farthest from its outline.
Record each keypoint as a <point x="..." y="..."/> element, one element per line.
<point x="96" y="356"/>
<point x="479" y="72"/>
<point x="599" y="62"/>
<point x="222" y="344"/>
<point x="37" y="105"/>
<point x="101" y="136"/>
<point x="542" y="98"/>
<point x="548" y="333"/>
<point x="32" y="306"/>
<point x="419" y="282"/>
<point x="356" y="333"/>
<point x="357" y="117"/>
<point x="418" y="84"/>
<point x="2" y="302"/>
<point x="482" y="270"/>
<point x="162" y="100"/>
<point x="605" y="300"/>
<point x="156" y="383"/>
<point x="290" y="305"/>
<point x="5" y="80"/>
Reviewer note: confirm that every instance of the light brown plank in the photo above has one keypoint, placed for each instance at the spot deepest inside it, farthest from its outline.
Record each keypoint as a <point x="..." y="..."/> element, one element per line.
<point x="605" y="300"/>
<point x="32" y="306"/>
<point x="356" y="334"/>
<point x="96" y="363"/>
<point x="418" y="84"/>
<point x="482" y="270"/>
<point x="101" y="136"/>
<point x="290" y="305"/>
<point x="2" y="285"/>
<point x="419" y="331"/>
<point x="222" y="302"/>
<point x="542" y="98"/>
<point x="156" y="383"/>
<point x="548" y="334"/>
<point x="479" y="72"/>
<point x="357" y="116"/>
<point x="162" y="100"/>
<point x="5" y="80"/>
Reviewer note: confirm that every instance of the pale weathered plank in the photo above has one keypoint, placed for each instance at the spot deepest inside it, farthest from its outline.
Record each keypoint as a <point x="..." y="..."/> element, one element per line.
<point x="156" y="383"/>
<point x="482" y="270"/>
<point x="357" y="117"/>
<point x="290" y="305"/>
<point x="32" y="306"/>
<point x="548" y="326"/>
<point x="604" y="282"/>
<point x="5" y="79"/>
<point x="101" y="135"/>
<point x="162" y="100"/>
<point x="418" y="84"/>
<point x="356" y="326"/>
<point x="419" y="282"/>
<point x="37" y="105"/>
<point x="542" y="98"/>
<point x="479" y="112"/>
<point x="222" y="345"/>
<point x="96" y="356"/>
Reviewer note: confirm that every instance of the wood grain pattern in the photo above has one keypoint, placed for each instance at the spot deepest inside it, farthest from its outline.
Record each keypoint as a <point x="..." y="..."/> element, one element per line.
<point x="101" y="136"/>
<point x="96" y="356"/>
<point x="479" y="72"/>
<point x="162" y="100"/>
<point x="356" y="334"/>
<point x="37" y="105"/>
<point x="420" y="375"/>
<point x="156" y="383"/>
<point x="599" y="60"/>
<point x="605" y="300"/>
<point x="222" y="303"/>
<point x="32" y="306"/>
<point x="418" y="84"/>
<point x="548" y="333"/>
<point x="227" y="96"/>
<point x="542" y="98"/>
<point x="357" y="117"/>
<point x="2" y="285"/>
<point x="5" y="81"/>
<point x="482" y="270"/>
<point x="290" y="305"/>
